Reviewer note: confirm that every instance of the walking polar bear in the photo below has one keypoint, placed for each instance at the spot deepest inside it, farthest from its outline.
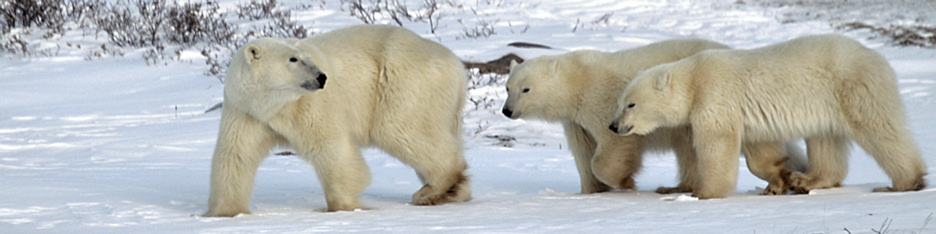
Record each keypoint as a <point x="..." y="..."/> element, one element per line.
<point x="828" y="89"/>
<point x="580" y="90"/>
<point x="386" y="87"/>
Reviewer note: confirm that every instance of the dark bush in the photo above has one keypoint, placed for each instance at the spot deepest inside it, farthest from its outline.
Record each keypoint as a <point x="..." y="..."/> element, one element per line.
<point x="32" y="13"/>
<point x="154" y="22"/>
<point x="258" y="9"/>
<point x="282" y="27"/>
<point x="125" y="27"/>
<point x="280" y="23"/>
<point x="198" y="22"/>
<point x="163" y="29"/>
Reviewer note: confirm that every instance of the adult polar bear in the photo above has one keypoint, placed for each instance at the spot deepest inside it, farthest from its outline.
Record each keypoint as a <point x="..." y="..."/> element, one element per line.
<point x="386" y="87"/>
<point x="827" y="89"/>
<point x="580" y="90"/>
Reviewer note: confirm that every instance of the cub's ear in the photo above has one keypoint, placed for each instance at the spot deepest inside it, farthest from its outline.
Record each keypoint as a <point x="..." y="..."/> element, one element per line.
<point x="252" y="53"/>
<point x="513" y="63"/>
<point x="662" y="80"/>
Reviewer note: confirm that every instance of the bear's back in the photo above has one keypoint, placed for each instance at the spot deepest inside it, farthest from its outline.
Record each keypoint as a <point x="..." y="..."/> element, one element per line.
<point x="641" y="58"/>
<point x="818" y="51"/>
<point x="380" y="70"/>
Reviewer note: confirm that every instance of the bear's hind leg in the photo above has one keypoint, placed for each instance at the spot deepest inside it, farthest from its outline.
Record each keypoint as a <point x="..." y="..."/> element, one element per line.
<point x="871" y="103"/>
<point x="438" y="162"/>
<point x="896" y="153"/>
<point x="828" y="164"/>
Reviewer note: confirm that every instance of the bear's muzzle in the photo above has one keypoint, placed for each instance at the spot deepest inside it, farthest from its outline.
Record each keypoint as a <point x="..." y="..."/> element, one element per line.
<point x="507" y="112"/>
<point x="616" y="129"/>
<point x="318" y="83"/>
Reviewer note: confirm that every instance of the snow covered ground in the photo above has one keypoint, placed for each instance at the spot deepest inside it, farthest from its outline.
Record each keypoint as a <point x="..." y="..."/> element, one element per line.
<point x="116" y="146"/>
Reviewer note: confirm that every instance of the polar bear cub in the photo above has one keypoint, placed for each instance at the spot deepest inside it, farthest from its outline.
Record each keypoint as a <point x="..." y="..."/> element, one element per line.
<point x="828" y="89"/>
<point x="386" y="87"/>
<point x="580" y="90"/>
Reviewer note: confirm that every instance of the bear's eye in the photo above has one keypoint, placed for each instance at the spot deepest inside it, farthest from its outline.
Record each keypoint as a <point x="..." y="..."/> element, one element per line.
<point x="631" y="105"/>
<point x="508" y="89"/>
<point x="293" y="59"/>
<point x="526" y="90"/>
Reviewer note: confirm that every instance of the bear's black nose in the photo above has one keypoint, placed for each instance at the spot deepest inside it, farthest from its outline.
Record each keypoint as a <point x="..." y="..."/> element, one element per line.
<point x="507" y="112"/>
<point x="321" y="79"/>
<point x="613" y="127"/>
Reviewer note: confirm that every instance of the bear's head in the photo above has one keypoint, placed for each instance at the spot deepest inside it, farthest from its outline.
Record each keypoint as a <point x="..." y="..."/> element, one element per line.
<point x="652" y="100"/>
<point x="267" y="73"/>
<point x="535" y="89"/>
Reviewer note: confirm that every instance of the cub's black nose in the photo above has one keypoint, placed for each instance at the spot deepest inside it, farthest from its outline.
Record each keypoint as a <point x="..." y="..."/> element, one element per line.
<point x="507" y="112"/>
<point x="321" y="79"/>
<point x="613" y="127"/>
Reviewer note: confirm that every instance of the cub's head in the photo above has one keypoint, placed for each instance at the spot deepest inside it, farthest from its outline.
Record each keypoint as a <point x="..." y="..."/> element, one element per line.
<point x="534" y="89"/>
<point x="657" y="97"/>
<point x="269" y="72"/>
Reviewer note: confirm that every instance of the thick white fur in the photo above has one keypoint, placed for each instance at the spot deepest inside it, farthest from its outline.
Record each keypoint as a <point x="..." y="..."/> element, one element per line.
<point x="580" y="90"/>
<point x="386" y="87"/>
<point x="827" y="89"/>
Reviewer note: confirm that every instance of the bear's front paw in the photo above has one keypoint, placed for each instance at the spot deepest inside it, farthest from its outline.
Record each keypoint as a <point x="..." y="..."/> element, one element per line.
<point x="344" y="207"/>
<point x="342" y="203"/>
<point x="429" y="195"/>
<point x="626" y="184"/>
<point x="920" y="185"/>
<point x="883" y="189"/>
<point x="710" y="193"/>
<point x="703" y="196"/>
<point x="426" y="196"/>
<point x="224" y="212"/>
<point x="803" y="183"/>
<point x="779" y="185"/>
<point x="669" y="190"/>
<point x="596" y="187"/>
<point x="800" y="183"/>
<point x="917" y="185"/>
<point x="774" y="189"/>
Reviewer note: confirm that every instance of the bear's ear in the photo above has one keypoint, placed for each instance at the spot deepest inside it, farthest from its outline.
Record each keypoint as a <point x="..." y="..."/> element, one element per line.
<point x="252" y="53"/>
<point x="513" y="63"/>
<point x="662" y="81"/>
